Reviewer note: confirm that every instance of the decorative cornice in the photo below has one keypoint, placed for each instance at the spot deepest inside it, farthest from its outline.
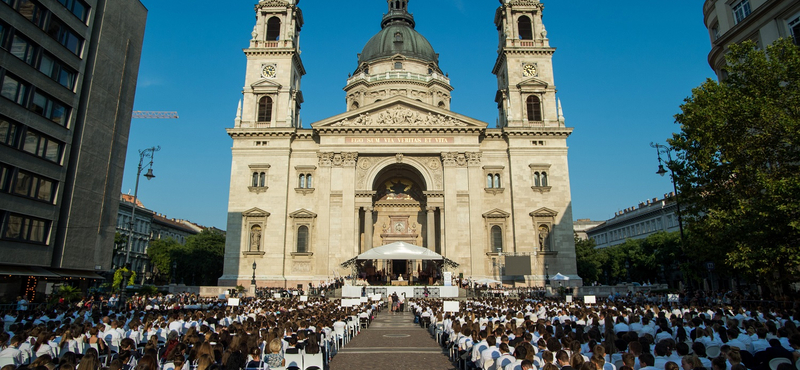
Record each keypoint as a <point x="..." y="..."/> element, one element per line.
<point x="260" y="132"/>
<point x="541" y="189"/>
<point x="344" y="159"/>
<point x="538" y="131"/>
<point x="398" y="130"/>
<point x="257" y="189"/>
<point x="304" y="191"/>
<point x="494" y="191"/>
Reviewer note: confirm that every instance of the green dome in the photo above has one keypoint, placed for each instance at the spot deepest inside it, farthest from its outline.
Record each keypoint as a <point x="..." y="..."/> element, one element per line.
<point x="398" y="38"/>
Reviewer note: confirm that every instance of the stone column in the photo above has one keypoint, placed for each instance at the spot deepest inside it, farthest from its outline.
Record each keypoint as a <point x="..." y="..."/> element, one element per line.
<point x="367" y="228"/>
<point x="431" y="225"/>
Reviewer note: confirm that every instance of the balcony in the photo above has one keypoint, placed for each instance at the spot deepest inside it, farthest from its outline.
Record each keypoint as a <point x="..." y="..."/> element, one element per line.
<point x="394" y="76"/>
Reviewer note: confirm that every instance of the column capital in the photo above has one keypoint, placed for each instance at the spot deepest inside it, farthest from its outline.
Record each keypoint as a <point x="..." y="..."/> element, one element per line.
<point x="368" y="209"/>
<point x="431" y="208"/>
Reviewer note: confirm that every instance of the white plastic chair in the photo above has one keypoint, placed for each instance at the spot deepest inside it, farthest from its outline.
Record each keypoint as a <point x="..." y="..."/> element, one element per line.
<point x="294" y="359"/>
<point x="310" y="361"/>
<point x="775" y="362"/>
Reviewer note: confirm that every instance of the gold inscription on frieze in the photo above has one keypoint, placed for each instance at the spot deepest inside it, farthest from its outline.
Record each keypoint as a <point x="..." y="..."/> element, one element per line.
<point x="400" y="140"/>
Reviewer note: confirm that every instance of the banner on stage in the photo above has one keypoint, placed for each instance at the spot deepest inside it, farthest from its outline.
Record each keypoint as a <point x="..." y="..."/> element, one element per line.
<point x="276" y="295"/>
<point x="451" y="306"/>
<point x="303" y="298"/>
<point x="569" y="299"/>
<point x="376" y="297"/>
<point x="448" y="278"/>
<point x="590" y="299"/>
<point x="363" y="300"/>
<point x="233" y="302"/>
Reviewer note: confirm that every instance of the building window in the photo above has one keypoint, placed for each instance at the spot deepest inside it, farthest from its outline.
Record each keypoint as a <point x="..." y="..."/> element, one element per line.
<point x="398" y="65"/>
<point x="265" y="109"/>
<point x="540" y="179"/>
<point x="794" y="29"/>
<point x="534" y="109"/>
<point x="65" y="36"/>
<point x="305" y="181"/>
<point x="23" y="49"/>
<point x="741" y="10"/>
<point x="8" y="132"/>
<point x="525" y="28"/>
<point x="79" y="8"/>
<point x="493" y="181"/>
<point x="302" y="239"/>
<point x="56" y="70"/>
<point x="26" y="229"/>
<point x="259" y="179"/>
<point x="273" y="29"/>
<point x="42" y="146"/>
<point x="497" y="239"/>
<point x="354" y="106"/>
<point x="14" y="90"/>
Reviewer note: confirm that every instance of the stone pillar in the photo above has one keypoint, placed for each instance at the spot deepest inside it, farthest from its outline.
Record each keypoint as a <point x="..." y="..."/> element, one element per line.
<point x="431" y="225"/>
<point x="367" y="228"/>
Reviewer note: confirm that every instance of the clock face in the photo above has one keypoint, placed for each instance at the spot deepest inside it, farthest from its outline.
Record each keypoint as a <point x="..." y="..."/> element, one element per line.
<point x="269" y="71"/>
<point x="529" y="70"/>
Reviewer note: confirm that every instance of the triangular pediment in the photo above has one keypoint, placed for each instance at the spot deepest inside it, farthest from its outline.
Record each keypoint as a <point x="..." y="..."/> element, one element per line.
<point x="265" y="85"/>
<point x="255" y="212"/>
<point x="496" y="213"/>
<point x="399" y="111"/>
<point x="302" y="213"/>
<point x="544" y="212"/>
<point x="533" y="83"/>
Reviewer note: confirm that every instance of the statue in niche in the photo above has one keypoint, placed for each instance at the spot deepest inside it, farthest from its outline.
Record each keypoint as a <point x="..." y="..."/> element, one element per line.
<point x="255" y="238"/>
<point x="255" y="32"/>
<point x="544" y="237"/>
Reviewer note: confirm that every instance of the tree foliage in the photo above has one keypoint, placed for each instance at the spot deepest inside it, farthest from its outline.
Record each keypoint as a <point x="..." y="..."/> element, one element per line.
<point x="737" y="166"/>
<point x="116" y="285"/>
<point x="644" y="258"/>
<point x="199" y="261"/>
<point x="69" y="293"/>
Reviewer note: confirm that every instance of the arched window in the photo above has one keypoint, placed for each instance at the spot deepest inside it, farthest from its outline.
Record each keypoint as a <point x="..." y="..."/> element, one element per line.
<point x="497" y="181"/>
<point x="544" y="179"/>
<point x="489" y="181"/>
<point x="441" y="105"/>
<point x="354" y="105"/>
<point x="398" y="65"/>
<point x="308" y="182"/>
<point x="537" y="179"/>
<point x="265" y="109"/>
<point x="525" y="28"/>
<point x="262" y="181"/>
<point x="302" y="239"/>
<point x="302" y="183"/>
<point x="534" y="109"/>
<point x="398" y="37"/>
<point x="255" y="179"/>
<point x="273" y="29"/>
<point x="497" y="239"/>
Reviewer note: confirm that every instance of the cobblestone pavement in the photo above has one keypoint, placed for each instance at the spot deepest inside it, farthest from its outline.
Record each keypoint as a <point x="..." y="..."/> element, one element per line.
<point x="392" y="342"/>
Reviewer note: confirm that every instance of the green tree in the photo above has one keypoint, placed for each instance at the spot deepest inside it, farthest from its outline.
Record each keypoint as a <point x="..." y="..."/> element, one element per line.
<point x="589" y="260"/>
<point x="69" y="293"/>
<point x="161" y="253"/>
<point x="200" y="260"/>
<point x="118" y="276"/>
<point x="737" y="164"/>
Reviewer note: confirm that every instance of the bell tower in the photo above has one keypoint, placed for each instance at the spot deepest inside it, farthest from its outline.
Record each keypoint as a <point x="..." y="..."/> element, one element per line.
<point x="526" y="92"/>
<point x="271" y="94"/>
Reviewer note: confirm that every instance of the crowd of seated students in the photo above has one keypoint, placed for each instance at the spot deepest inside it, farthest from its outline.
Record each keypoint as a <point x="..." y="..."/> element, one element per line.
<point x="259" y="334"/>
<point x="512" y="334"/>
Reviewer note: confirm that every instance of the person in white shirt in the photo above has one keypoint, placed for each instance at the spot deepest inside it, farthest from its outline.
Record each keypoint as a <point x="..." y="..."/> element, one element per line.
<point x="479" y="347"/>
<point x="505" y="357"/>
<point x="646" y="360"/>
<point x="12" y="352"/>
<point x="490" y="353"/>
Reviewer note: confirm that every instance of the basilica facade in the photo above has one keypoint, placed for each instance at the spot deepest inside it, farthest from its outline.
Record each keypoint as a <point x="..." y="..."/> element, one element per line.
<point x="398" y="164"/>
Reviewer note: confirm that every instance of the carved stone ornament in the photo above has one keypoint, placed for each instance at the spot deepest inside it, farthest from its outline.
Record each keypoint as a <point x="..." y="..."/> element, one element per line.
<point x="399" y="158"/>
<point x="325" y="159"/>
<point x="474" y="158"/>
<point x="299" y="266"/>
<point x="434" y="164"/>
<point x="401" y="116"/>
<point x="337" y="159"/>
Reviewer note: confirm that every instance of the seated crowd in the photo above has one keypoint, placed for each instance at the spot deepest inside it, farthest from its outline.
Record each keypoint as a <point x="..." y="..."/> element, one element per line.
<point x="259" y="334"/>
<point x="503" y="334"/>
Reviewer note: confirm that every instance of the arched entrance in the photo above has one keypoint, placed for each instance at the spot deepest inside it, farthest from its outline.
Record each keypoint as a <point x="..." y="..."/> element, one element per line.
<point x="399" y="215"/>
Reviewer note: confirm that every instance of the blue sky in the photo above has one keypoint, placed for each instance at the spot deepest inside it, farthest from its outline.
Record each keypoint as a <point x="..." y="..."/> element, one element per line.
<point x="622" y="69"/>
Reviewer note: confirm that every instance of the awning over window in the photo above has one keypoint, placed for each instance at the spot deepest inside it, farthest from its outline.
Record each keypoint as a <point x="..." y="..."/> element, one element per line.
<point x="76" y="273"/>
<point x="26" y="271"/>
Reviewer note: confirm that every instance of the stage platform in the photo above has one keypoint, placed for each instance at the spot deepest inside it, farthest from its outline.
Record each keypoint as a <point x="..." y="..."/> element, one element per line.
<point x="434" y="291"/>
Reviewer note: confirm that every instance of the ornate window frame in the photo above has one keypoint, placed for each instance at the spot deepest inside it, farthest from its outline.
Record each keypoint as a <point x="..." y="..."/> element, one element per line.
<point x="262" y="169"/>
<point x="304" y="172"/>
<point x="544" y="218"/>
<point x="251" y="218"/>
<point x="303" y="217"/>
<point x="496" y="217"/>
<point x="537" y="169"/>
<point x="498" y="176"/>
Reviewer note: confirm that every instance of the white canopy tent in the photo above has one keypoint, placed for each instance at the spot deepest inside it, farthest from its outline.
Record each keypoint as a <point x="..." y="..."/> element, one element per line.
<point x="487" y="281"/>
<point x="400" y="251"/>
<point x="560" y="277"/>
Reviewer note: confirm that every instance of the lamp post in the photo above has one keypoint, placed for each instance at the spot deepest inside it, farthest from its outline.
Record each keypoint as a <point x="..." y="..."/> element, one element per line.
<point x="147" y="153"/>
<point x="546" y="275"/>
<point x="253" y="282"/>
<point x="663" y="149"/>
<point x="628" y="271"/>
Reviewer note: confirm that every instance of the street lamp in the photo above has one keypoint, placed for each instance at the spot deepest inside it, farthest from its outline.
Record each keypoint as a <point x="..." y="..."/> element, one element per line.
<point x="147" y="153"/>
<point x="253" y="282"/>
<point x="663" y="149"/>
<point x="546" y="274"/>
